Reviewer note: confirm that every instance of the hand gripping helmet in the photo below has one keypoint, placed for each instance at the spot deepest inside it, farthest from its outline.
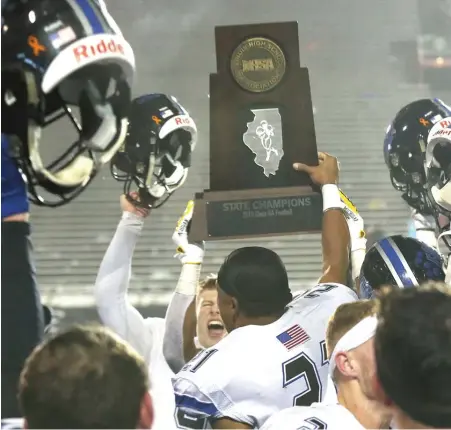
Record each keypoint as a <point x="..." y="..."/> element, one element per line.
<point x="59" y="57"/>
<point x="405" y="147"/>
<point x="400" y="262"/>
<point x="157" y="151"/>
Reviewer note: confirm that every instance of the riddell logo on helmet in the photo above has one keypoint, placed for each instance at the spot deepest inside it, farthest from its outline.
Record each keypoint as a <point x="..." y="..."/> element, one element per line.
<point x="83" y="52"/>
<point x="182" y="121"/>
<point x="445" y="123"/>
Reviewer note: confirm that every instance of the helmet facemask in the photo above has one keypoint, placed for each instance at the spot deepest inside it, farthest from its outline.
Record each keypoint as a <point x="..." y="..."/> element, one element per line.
<point x="156" y="169"/>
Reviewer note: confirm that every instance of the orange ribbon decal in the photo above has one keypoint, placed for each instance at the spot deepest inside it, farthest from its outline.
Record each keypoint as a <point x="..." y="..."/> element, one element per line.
<point x="156" y="119"/>
<point x="35" y="45"/>
<point x="424" y="122"/>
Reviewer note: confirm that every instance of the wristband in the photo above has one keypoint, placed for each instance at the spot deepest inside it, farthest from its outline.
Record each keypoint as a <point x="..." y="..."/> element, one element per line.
<point x="331" y="197"/>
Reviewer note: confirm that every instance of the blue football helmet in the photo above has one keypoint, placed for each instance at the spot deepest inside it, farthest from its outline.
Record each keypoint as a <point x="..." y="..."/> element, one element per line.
<point x="400" y="262"/>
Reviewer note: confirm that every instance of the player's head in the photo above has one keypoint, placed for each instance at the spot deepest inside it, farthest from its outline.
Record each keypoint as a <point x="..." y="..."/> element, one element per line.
<point x="64" y="61"/>
<point x="413" y="355"/>
<point x="210" y="327"/>
<point x="252" y="283"/>
<point x="404" y="149"/>
<point x="400" y="262"/>
<point x="82" y="378"/>
<point x="349" y="342"/>
<point x="352" y="365"/>
<point x="156" y="154"/>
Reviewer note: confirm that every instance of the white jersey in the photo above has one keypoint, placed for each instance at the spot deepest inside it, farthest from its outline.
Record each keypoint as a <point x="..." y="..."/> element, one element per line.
<point x="317" y="416"/>
<point x="160" y="376"/>
<point x="256" y="371"/>
<point x="144" y="334"/>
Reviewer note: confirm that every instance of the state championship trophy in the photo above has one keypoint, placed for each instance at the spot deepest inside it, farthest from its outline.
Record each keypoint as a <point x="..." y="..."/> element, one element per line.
<point x="261" y="122"/>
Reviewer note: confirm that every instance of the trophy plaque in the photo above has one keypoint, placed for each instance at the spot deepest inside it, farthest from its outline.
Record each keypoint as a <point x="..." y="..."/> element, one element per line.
<point x="261" y="122"/>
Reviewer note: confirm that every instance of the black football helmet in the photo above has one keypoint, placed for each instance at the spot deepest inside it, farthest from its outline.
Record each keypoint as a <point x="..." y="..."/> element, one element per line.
<point x="405" y="148"/>
<point x="400" y="262"/>
<point x="156" y="154"/>
<point x="59" y="56"/>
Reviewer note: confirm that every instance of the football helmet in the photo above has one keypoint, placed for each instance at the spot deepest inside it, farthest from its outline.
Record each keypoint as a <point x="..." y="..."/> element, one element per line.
<point x="438" y="174"/>
<point x="59" y="57"/>
<point x="156" y="154"/>
<point x="405" y="147"/>
<point x="400" y="262"/>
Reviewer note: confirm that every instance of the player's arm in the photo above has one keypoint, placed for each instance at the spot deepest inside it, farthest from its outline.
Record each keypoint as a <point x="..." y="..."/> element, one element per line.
<point x="112" y="282"/>
<point x="425" y="228"/>
<point x="357" y="236"/>
<point x="335" y="233"/>
<point x="227" y="423"/>
<point x="180" y="320"/>
<point x="22" y="316"/>
<point x="199" y="391"/>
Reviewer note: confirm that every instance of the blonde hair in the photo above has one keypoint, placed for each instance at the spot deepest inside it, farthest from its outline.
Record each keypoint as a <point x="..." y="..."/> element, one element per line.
<point x="344" y="318"/>
<point x="207" y="283"/>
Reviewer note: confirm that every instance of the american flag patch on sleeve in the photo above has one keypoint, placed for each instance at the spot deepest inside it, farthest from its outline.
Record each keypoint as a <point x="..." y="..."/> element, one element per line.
<point x="293" y="337"/>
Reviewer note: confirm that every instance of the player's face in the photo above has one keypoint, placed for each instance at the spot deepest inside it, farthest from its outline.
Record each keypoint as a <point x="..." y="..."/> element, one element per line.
<point x="210" y="327"/>
<point x="367" y="372"/>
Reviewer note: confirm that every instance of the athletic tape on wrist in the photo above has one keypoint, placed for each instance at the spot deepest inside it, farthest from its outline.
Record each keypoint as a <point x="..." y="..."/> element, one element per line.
<point x="358" y="335"/>
<point x="331" y="197"/>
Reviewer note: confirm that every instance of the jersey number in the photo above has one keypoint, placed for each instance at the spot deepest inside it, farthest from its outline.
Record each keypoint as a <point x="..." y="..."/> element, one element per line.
<point x="316" y="424"/>
<point x="315" y="292"/>
<point x="302" y="367"/>
<point x="199" y="360"/>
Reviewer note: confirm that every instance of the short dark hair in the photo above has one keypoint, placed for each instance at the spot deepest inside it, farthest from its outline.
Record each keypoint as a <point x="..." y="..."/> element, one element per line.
<point x="83" y="378"/>
<point x="257" y="278"/>
<point x="413" y="351"/>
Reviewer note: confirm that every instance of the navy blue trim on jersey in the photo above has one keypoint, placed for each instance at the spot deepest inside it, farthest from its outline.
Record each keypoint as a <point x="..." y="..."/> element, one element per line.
<point x="397" y="263"/>
<point x="91" y="16"/>
<point x="191" y="404"/>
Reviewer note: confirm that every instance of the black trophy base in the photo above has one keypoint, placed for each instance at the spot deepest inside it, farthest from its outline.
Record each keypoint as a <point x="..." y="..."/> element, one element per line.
<point x="220" y="215"/>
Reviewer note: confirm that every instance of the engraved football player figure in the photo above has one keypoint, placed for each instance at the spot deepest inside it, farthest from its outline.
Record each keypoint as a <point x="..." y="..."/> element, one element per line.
<point x="265" y="132"/>
<point x="274" y="355"/>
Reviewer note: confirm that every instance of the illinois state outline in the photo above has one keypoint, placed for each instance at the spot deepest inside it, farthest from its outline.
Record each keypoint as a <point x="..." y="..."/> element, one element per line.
<point x="267" y="159"/>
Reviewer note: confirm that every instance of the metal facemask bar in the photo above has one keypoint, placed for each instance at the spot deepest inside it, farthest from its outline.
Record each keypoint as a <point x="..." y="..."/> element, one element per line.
<point x="155" y="190"/>
<point x="72" y="177"/>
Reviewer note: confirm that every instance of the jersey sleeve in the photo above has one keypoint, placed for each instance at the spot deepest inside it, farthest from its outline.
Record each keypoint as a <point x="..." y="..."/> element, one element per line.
<point x="112" y="282"/>
<point x="333" y="293"/>
<point x="176" y="313"/>
<point x="205" y="388"/>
